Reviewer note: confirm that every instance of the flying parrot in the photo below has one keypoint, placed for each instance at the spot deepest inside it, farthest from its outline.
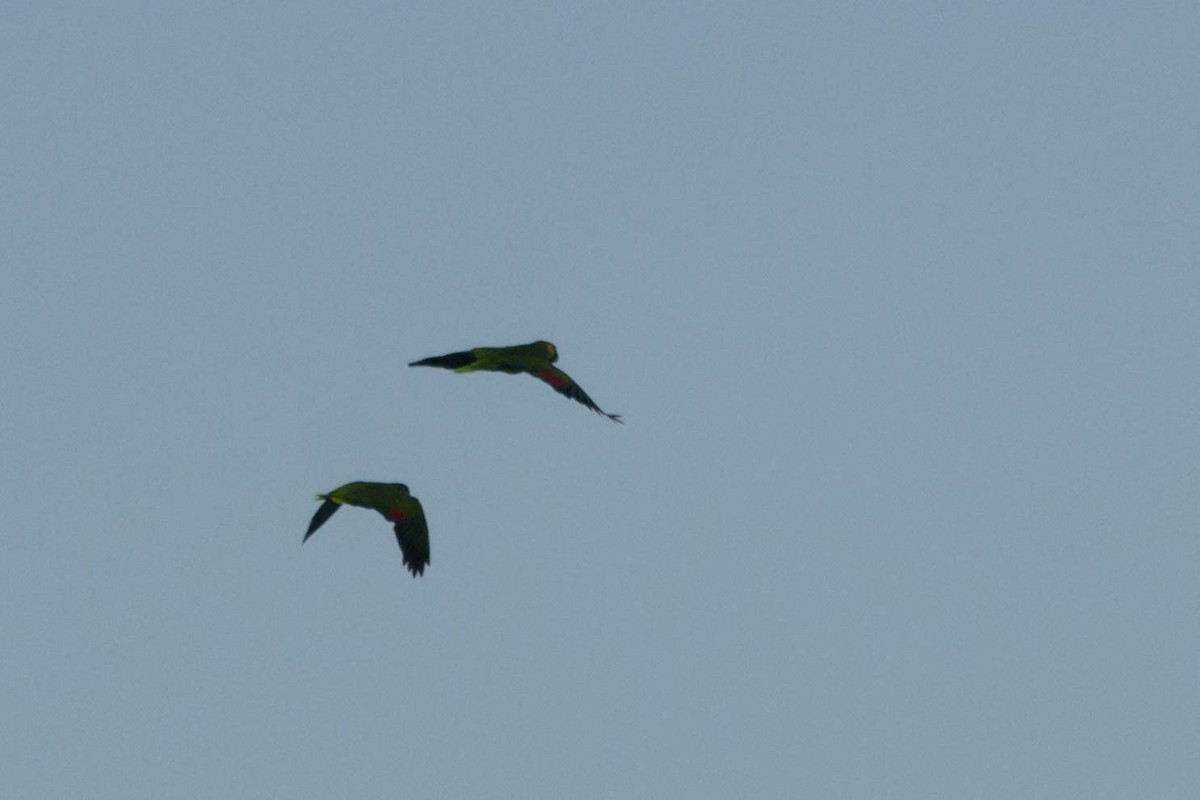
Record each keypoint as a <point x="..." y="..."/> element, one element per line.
<point x="397" y="506"/>
<point x="535" y="358"/>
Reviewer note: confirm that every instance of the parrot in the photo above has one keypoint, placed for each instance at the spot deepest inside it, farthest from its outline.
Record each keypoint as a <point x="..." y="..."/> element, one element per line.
<point x="536" y="358"/>
<point x="393" y="501"/>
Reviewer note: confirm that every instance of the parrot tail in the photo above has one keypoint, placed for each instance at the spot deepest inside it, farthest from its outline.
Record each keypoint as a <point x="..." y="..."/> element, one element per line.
<point x="451" y="361"/>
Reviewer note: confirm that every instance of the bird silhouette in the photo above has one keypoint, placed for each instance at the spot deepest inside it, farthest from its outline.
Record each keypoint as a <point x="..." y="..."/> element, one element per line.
<point x="536" y="359"/>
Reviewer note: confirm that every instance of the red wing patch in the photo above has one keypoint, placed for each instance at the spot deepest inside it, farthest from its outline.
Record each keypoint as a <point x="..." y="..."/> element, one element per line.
<point x="396" y="515"/>
<point x="554" y="379"/>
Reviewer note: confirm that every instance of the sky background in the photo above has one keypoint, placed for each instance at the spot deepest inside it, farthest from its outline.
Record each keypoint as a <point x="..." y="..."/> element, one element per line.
<point x="899" y="302"/>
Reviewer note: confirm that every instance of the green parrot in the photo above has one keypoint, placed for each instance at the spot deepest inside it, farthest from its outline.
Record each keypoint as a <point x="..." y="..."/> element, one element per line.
<point x="395" y="503"/>
<point x="535" y="358"/>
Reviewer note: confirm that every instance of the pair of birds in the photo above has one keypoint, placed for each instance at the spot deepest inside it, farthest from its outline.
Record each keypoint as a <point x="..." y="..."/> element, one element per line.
<point x="392" y="500"/>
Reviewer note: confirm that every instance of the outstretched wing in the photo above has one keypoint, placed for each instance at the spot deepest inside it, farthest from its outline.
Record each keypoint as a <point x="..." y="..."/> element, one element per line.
<point x="562" y="383"/>
<point x="320" y="518"/>
<point x="412" y="534"/>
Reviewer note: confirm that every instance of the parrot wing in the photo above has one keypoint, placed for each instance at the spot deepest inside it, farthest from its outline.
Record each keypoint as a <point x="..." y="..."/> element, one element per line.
<point x="320" y="518"/>
<point x="412" y="534"/>
<point x="562" y="383"/>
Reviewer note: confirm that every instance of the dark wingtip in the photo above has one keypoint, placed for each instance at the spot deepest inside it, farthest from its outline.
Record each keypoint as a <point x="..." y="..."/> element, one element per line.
<point x="613" y="417"/>
<point x="323" y="514"/>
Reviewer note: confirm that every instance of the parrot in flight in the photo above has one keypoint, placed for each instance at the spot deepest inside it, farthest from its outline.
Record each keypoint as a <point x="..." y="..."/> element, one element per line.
<point x="535" y="358"/>
<point x="397" y="506"/>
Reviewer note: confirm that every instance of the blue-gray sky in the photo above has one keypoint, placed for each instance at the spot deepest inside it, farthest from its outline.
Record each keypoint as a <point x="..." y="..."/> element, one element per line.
<point x="899" y="302"/>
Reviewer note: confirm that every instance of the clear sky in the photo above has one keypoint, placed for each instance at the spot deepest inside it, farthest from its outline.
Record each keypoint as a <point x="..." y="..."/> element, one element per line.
<point x="899" y="302"/>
